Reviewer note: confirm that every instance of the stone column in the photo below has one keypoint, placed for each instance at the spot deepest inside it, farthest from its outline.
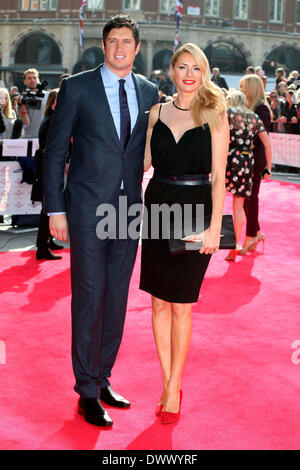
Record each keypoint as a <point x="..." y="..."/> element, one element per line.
<point x="69" y="49"/>
<point x="5" y="45"/>
<point x="6" y="76"/>
<point x="149" y="57"/>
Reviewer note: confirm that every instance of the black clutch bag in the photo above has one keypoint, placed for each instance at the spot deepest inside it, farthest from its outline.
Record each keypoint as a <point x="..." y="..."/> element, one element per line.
<point x="227" y="240"/>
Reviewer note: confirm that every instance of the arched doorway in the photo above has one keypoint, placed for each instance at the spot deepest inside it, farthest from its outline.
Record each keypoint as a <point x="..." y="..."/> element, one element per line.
<point x="91" y="58"/>
<point x="285" y="56"/>
<point x="94" y="55"/>
<point x="40" y="51"/>
<point x="227" y="56"/>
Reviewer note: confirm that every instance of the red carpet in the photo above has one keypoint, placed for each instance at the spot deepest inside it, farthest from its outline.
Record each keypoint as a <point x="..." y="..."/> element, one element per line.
<point x="242" y="378"/>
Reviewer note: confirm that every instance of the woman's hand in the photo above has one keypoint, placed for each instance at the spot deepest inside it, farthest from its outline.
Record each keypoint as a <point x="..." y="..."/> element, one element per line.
<point x="267" y="176"/>
<point x="210" y="239"/>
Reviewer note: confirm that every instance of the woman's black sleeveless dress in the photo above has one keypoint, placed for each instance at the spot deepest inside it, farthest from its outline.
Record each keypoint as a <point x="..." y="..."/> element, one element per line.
<point x="176" y="278"/>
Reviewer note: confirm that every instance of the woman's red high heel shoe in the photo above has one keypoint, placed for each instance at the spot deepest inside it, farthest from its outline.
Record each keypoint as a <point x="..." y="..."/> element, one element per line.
<point x="168" y="418"/>
<point x="158" y="410"/>
<point x="231" y="255"/>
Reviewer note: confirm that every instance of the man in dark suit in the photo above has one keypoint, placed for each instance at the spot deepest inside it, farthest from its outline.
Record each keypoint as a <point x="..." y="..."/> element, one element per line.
<point x="106" y="112"/>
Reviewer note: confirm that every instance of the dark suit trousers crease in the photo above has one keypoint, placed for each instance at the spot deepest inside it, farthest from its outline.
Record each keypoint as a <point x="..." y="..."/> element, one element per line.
<point x="100" y="276"/>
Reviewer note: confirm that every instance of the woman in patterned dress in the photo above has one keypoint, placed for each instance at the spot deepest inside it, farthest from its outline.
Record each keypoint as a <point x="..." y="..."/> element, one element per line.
<point x="252" y="87"/>
<point x="244" y="126"/>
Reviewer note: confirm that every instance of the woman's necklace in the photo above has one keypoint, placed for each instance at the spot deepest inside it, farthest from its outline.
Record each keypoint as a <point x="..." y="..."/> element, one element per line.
<point x="180" y="109"/>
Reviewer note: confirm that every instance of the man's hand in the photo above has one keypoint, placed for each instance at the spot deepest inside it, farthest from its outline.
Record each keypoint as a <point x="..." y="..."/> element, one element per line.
<point x="59" y="227"/>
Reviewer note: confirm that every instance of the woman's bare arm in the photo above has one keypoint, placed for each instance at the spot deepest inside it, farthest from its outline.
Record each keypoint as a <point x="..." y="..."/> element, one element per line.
<point x="153" y="117"/>
<point x="220" y="144"/>
<point x="268" y="150"/>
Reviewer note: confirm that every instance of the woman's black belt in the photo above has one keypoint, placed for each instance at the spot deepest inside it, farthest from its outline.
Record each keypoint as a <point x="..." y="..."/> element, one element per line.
<point x="182" y="180"/>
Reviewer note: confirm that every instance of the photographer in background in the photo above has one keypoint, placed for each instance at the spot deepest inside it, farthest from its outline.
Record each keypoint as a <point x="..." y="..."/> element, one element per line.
<point x="32" y="104"/>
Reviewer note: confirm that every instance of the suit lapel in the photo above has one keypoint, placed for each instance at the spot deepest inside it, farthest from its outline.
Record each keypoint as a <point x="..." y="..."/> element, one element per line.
<point x="100" y="99"/>
<point x="139" y="95"/>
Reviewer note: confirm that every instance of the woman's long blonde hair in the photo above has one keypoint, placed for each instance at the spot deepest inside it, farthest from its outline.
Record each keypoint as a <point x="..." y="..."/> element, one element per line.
<point x="209" y="102"/>
<point x="237" y="99"/>
<point x="8" y="110"/>
<point x="255" y="91"/>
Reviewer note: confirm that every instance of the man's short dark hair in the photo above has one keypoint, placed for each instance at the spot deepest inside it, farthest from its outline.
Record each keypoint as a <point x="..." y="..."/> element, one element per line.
<point x="121" y="21"/>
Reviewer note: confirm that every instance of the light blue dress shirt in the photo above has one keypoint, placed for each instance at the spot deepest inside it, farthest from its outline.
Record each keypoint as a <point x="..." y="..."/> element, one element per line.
<point x="111" y="87"/>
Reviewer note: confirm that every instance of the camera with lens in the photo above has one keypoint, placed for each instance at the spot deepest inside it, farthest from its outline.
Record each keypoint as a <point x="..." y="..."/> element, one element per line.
<point x="32" y="98"/>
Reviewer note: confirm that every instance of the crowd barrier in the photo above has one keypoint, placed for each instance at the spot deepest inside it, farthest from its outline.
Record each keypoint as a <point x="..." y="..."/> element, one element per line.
<point x="11" y="148"/>
<point x="15" y="196"/>
<point x="285" y="149"/>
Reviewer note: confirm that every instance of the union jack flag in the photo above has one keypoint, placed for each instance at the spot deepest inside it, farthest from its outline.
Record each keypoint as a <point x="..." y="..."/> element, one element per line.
<point x="178" y="17"/>
<point x="81" y="34"/>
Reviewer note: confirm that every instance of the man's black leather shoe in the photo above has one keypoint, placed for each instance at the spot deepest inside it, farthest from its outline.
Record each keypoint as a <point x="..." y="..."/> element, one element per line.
<point x="112" y="398"/>
<point x="45" y="253"/>
<point x="93" y="412"/>
<point x="54" y="246"/>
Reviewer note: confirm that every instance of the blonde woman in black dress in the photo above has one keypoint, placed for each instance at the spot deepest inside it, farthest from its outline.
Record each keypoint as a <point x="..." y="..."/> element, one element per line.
<point x="186" y="139"/>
